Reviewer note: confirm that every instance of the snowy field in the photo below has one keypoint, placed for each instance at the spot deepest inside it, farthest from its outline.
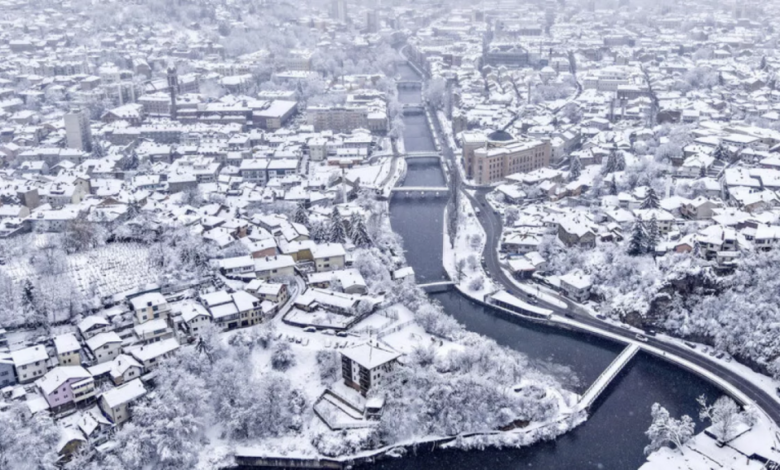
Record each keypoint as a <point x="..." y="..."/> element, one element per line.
<point x="104" y="271"/>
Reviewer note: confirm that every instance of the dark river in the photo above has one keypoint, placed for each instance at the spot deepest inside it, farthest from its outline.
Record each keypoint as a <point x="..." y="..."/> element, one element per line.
<point x="613" y="436"/>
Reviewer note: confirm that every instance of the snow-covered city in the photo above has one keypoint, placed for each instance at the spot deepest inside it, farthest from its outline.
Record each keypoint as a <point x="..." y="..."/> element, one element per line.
<point x="384" y="234"/>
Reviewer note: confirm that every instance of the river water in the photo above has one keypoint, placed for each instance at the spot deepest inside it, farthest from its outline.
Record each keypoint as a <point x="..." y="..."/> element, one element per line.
<point x="613" y="436"/>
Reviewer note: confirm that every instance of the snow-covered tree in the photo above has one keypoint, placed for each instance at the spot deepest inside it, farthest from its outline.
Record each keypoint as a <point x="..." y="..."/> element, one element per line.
<point x="611" y="164"/>
<point x="353" y="222"/>
<point x="167" y="429"/>
<point x="82" y="235"/>
<point x="620" y="160"/>
<point x="319" y="232"/>
<point x="360" y="235"/>
<point x="301" y="215"/>
<point x="512" y="214"/>
<point x="460" y="269"/>
<point x="282" y="357"/>
<point x="337" y="232"/>
<point x="575" y="168"/>
<point x="651" y="200"/>
<point x="720" y="153"/>
<point x="27" y="442"/>
<point x="667" y="430"/>
<point x="613" y="189"/>
<point x="723" y="415"/>
<point x="435" y="92"/>
<point x="651" y="236"/>
<point x="636" y="245"/>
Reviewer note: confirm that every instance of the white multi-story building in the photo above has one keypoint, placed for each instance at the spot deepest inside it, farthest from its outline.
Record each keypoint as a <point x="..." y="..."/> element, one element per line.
<point x="30" y="363"/>
<point x="77" y="131"/>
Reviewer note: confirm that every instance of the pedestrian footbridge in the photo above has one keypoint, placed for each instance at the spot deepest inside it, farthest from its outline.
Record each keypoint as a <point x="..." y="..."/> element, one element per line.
<point x="600" y="384"/>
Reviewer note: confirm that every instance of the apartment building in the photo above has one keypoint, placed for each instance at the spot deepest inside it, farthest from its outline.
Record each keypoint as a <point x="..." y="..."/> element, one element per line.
<point x="497" y="159"/>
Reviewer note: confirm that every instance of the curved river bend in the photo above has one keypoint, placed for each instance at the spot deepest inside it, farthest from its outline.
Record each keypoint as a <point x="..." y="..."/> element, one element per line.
<point x="613" y="436"/>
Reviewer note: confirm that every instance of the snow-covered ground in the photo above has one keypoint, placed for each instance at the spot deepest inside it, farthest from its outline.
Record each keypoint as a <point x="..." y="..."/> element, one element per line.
<point x="395" y="327"/>
<point x="104" y="271"/>
<point x="703" y="453"/>
<point x="463" y="261"/>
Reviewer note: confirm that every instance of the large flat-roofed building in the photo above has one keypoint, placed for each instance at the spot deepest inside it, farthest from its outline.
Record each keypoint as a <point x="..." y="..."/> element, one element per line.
<point x="493" y="162"/>
<point x="507" y="54"/>
<point x="363" y="110"/>
<point x="274" y="115"/>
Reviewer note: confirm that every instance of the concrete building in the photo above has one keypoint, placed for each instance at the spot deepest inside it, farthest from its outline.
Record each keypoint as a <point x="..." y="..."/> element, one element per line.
<point x="68" y="350"/>
<point x="509" y="55"/>
<point x="149" y="306"/>
<point x="77" y="131"/>
<point x="498" y="159"/>
<point x="7" y="376"/>
<point x="30" y="363"/>
<point x="338" y="10"/>
<point x="67" y="387"/>
<point x="364" y="366"/>
<point x="114" y="402"/>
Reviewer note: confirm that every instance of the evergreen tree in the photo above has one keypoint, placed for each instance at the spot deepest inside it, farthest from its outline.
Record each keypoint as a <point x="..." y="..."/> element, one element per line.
<point x="360" y="235"/>
<point x="637" y="242"/>
<point x="651" y="236"/>
<point x="337" y="233"/>
<point x="319" y="232"/>
<point x="97" y="149"/>
<point x="28" y="295"/>
<point x="651" y="200"/>
<point x="620" y="161"/>
<point x="353" y="222"/>
<point x="575" y="168"/>
<point x="719" y="153"/>
<point x="696" y="248"/>
<point x="301" y="216"/>
<point x="611" y="165"/>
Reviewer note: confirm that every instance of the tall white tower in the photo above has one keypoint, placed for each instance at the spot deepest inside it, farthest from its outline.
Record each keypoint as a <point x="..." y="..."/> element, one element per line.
<point x="77" y="131"/>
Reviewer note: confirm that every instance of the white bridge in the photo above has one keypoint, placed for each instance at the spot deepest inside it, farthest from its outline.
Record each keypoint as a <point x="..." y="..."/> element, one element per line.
<point x="421" y="190"/>
<point x="606" y="377"/>
<point x="413" y="109"/>
<point x="439" y="286"/>
<point x="424" y="154"/>
<point x="409" y="84"/>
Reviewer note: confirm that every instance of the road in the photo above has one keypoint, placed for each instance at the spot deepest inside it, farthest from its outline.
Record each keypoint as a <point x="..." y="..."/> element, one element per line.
<point x="492" y="225"/>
